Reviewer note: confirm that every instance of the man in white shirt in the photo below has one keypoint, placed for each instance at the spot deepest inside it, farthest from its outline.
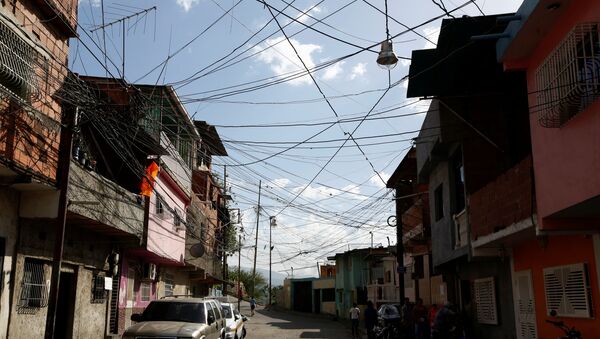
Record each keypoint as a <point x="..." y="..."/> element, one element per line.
<point x="354" y="316"/>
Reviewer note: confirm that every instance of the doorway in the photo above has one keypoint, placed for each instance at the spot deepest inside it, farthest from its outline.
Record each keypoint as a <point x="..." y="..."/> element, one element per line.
<point x="66" y="305"/>
<point x="317" y="303"/>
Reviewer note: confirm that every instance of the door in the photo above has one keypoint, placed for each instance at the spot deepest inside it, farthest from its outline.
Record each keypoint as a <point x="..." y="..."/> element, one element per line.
<point x="213" y="332"/>
<point x="66" y="306"/>
<point x="525" y="305"/>
<point x="317" y="302"/>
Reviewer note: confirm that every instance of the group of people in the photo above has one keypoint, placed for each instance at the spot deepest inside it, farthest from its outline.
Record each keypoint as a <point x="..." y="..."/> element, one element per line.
<point x="416" y="321"/>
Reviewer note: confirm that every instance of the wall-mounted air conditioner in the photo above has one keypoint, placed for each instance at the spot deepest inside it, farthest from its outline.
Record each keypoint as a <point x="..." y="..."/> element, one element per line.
<point x="149" y="272"/>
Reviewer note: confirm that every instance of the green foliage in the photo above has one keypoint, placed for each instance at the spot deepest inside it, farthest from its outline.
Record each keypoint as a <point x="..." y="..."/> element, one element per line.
<point x="246" y="279"/>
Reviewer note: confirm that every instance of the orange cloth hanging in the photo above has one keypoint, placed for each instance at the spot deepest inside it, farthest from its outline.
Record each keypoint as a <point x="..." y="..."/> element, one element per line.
<point x="147" y="185"/>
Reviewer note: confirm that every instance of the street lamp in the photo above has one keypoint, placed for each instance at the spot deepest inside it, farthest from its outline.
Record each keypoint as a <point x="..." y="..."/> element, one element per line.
<point x="387" y="59"/>
<point x="272" y="223"/>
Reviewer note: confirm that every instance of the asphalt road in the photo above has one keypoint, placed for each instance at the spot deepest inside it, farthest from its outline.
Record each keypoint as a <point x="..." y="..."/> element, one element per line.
<point x="287" y="325"/>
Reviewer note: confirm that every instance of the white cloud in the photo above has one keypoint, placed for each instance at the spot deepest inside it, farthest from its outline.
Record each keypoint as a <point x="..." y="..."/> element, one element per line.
<point x="187" y="4"/>
<point x="375" y="180"/>
<point x="282" y="59"/>
<point x="432" y="34"/>
<point x="333" y="71"/>
<point x="358" y="70"/>
<point x="282" y="182"/>
<point x="303" y="17"/>
<point x="404" y="62"/>
<point x="94" y="3"/>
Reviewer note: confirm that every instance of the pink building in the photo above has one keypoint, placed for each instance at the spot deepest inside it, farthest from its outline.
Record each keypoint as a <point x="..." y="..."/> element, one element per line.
<point x="557" y="44"/>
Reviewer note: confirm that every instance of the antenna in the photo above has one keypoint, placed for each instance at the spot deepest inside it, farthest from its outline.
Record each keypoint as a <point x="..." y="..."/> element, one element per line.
<point x="123" y="22"/>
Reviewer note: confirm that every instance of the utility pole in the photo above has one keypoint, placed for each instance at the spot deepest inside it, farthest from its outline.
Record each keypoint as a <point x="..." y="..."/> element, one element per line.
<point x="225" y="233"/>
<point x="256" y="241"/>
<point x="66" y="148"/>
<point x="399" y="251"/>
<point x="239" y="291"/>
<point x="272" y="223"/>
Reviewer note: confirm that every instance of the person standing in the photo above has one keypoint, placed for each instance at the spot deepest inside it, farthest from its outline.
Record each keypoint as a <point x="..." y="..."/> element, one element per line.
<point x="419" y="316"/>
<point x="433" y="310"/>
<point x="252" y="305"/>
<point x="370" y="319"/>
<point x="354" y="316"/>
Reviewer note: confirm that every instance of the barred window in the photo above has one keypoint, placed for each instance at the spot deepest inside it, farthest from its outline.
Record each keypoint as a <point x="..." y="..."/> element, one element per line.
<point x="34" y="293"/>
<point x="146" y="291"/>
<point x="569" y="79"/>
<point x="98" y="290"/>
<point x="160" y="208"/>
<point x="17" y="59"/>
<point x="169" y="285"/>
<point x="485" y="301"/>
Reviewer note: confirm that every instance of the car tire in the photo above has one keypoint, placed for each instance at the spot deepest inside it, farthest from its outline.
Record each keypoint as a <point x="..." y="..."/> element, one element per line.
<point x="244" y="332"/>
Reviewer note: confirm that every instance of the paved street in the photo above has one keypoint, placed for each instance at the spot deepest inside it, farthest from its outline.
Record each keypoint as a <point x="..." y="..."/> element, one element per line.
<point x="288" y="325"/>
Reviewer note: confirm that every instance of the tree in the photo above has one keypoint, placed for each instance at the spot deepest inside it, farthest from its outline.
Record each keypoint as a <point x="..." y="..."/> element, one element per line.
<point x="246" y="279"/>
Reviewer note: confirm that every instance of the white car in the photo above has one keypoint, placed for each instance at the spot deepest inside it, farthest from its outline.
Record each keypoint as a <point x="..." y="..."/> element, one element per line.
<point x="191" y="318"/>
<point x="234" y="322"/>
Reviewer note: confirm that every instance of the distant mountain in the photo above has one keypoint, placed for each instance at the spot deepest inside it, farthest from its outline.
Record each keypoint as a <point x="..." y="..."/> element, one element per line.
<point x="276" y="277"/>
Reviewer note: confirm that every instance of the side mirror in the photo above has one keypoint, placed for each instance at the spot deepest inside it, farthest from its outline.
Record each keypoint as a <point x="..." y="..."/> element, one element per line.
<point x="136" y="317"/>
<point x="236" y="317"/>
<point x="211" y="319"/>
<point x="244" y="318"/>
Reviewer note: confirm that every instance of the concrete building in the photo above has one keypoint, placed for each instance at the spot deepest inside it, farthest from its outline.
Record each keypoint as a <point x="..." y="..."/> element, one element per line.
<point x="34" y="42"/>
<point x="476" y="133"/>
<point x="557" y="44"/>
<point x="412" y="207"/>
<point x="311" y="295"/>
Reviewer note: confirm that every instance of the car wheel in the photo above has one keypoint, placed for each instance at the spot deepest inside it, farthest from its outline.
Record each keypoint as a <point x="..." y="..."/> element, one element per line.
<point x="244" y="333"/>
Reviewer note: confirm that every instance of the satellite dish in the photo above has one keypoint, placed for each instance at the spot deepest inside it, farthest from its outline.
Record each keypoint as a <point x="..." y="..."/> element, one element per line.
<point x="197" y="250"/>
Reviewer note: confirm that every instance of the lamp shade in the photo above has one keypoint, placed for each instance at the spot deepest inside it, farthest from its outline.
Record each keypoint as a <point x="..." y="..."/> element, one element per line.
<point x="387" y="58"/>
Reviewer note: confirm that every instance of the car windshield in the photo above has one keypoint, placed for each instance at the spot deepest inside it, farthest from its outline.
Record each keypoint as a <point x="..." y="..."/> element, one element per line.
<point x="226" y="311"/>
<point x="174" y="311"/>
<point x="388" y="310"/>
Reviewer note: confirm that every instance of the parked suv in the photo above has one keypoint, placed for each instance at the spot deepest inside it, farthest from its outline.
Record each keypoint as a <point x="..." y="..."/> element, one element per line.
<point x="179" y="318"/>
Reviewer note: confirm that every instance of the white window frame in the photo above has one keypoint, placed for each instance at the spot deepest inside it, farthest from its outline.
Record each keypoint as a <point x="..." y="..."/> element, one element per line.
<point x="567" y="291"/>
<point x="485" y="301"/>
<point x="145" y="291"/>
<point x="159" y="206"/>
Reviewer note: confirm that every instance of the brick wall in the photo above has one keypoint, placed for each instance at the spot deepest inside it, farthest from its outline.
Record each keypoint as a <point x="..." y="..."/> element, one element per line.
<point x="502" y="202"/>
<point x="30" y="130"/>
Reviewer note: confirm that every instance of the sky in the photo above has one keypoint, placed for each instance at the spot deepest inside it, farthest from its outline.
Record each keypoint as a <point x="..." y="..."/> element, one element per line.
<point x="327" y="195"/>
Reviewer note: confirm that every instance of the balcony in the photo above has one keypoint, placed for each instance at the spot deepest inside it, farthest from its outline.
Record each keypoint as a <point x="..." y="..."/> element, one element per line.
<point x="502" y="212"/>
<point x="383" y="293"/>
<point x="62" y="14"/>
<point x="99" y="203"/>
<point x="502" y="202"/>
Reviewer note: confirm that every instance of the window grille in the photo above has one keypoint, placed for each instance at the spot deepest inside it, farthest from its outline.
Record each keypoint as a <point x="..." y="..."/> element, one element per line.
<point x="569" y="79"/>
<point x="177" y="219"/>
<point x="160" y="207"/>
<point x="146" y="291"/>
<point x="567" y="290"/>
<point x="485" y="301"/>
<point x="169" y="285"/>
<point x="20" y="64"/>
<point x="98" y="290"/>
<point x="114" y="304"/>
<point x="34" y="292"/>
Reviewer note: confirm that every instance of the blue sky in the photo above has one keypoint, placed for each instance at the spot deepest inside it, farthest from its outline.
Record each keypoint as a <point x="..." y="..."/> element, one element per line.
<point x="347" y="200"/>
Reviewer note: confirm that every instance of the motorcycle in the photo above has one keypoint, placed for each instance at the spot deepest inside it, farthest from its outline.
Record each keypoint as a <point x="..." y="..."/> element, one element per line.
<point x="570" y="332"/>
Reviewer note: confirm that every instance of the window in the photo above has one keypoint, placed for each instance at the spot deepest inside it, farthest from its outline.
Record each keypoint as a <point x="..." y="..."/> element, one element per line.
<point x="34" y="293"/>
<point x="169" y="284"/>
<point x="177" y="219"/>
<point x="130" y="283"/>
<point x="569" y="79"/>
<point x="485" y="301"/>
<point x="439" y="202"/>
<point x="328" y="295"/>
<point x="160" y="208"/>
<point x="98" y="290"/>
<point x="146" y="291"/>
<point x="567" y="290"/>
<point x="458" y="177"/>
<point x="19" y="63"/>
